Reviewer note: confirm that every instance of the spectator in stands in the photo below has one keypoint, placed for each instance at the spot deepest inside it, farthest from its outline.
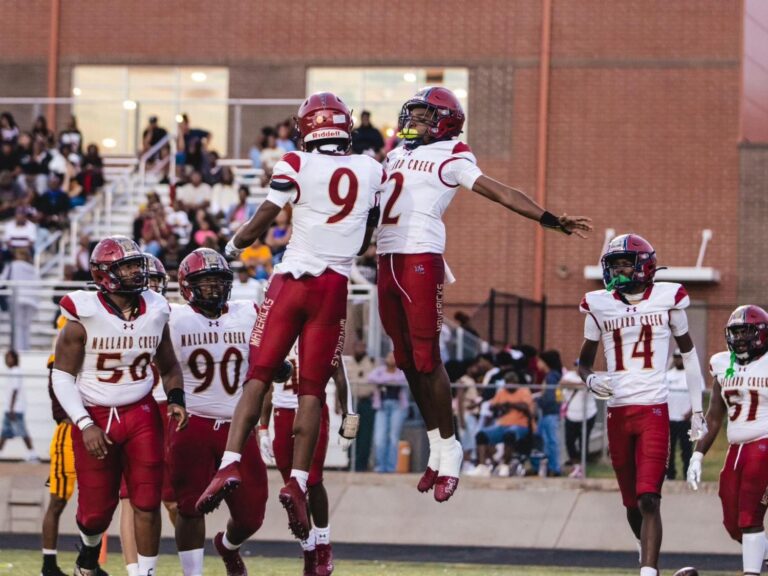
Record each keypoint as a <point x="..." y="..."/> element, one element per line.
<point x="195" y="194"/>
<point x="579" y="405"/>
<point x="390" y="401"/>
<point x="238" y="214"/>
<point x="15" y="407"/>
<point x="549" y="405"/>
<point x="192" y="144"/>
<point x="152" y="134"/>
<point x="93" y="157"/>
<point x="41" y="131"/>
<point x="36" y="164"/>
<point x="255" y="152"/>
<point x="224" y="192"/>
<point x="178" y="221"/>
<point x="90" y="178"/>
<point x="465" y="322"/>
<point x="205" y="232"/>
<point x="53" y="205"/>
<point x="258" y="259"/>
<point x="83" y="258"/>
<point x="468" y="402"/>
<point x="9" y="130"/>
<point x="513" y="407"/>
<point x="9" y="158"/>
<point x="21" y="232"/>
<point x="279" y="235"/>
<point x="22" y="303"/>
<point x="271" y="153"/>
<point x="359" y="366"/>
<point x="244" y="287"/>
<point x="679" y="403"/>
<point x="154" y="230"/>
<point x="210" y="168"/>
<point x="72" y="136"/>
<point x="12" y="195"/>
<point x="285" y="138"/>
<point x="366" y="139"/>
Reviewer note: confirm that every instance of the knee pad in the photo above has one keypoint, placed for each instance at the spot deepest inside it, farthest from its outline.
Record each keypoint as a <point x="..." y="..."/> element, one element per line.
<point x="482" y="438"/>
<point x="648" y="503"/>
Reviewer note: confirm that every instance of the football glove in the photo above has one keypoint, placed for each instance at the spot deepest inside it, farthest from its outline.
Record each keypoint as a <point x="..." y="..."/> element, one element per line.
<point x="284" y="372"/>
<point x="694" y="470"/>
<point x="265" y="446"/>
<point x="698" y="427"/>
<point x="600" y="386"/>
<point x="350" y="424"/>
<point x="231" y="251"/>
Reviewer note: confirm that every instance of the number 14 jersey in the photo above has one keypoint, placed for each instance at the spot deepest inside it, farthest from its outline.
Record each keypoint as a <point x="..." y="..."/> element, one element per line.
<point x="635" y="337"/>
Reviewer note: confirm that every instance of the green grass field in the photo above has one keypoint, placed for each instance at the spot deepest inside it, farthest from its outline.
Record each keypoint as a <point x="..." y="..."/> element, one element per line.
<point x="27" y="563"/>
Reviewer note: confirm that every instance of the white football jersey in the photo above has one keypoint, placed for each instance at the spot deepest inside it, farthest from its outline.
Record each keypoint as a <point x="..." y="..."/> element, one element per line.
<point x="213" y="355"/>
<point x="635" y="339"/>
<point x="118" y="366"/>
<point x="746" y="396"/>
<point x="286" y="394"/>
<point x="421" y="184"/>
<point x="331" y="197"/>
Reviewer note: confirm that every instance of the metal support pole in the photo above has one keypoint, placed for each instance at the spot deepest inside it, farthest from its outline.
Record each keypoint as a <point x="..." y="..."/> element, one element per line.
<point x="238" y="132"/>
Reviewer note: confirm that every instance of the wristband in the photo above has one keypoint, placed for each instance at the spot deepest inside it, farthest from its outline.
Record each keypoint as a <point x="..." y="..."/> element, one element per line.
<point x="84" y="422"/>
<point x="176" y="396"/>
<point x="549" y="220"/>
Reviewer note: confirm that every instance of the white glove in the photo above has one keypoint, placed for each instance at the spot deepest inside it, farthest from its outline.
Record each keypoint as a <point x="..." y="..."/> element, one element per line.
<point x="698" y="427"/>
<point x="232" y="251"/>
<point x="350" y="424"/>
<point x="600" y="386"/>
<point x="694" y="470"/>
<point x="265" y="445"/>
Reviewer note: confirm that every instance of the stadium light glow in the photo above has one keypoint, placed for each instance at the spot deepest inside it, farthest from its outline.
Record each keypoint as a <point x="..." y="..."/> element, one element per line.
<point x="198" y="76"/>
<point x="460" y="93"/>
<point x="76" y="91"/>
<point x="390" y="132"/>
<point x="129" y="104"/>
<point x="179" y="118"/>
<point x="409" y="77"/>
<point x="109" y="142"/>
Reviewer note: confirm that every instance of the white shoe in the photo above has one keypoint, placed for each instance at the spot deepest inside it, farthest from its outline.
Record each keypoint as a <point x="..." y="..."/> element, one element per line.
<point x="467" y="467"/>
<point x="577" y="472"/>
<point x="481" y="471"/>
<point x="503" y="470"/>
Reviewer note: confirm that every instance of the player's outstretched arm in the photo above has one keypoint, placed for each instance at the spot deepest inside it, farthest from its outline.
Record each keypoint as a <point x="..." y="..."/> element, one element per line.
<point x="252" y="230"/>
<point x="350" y="422"/>
<point x="693" y="376"/>
<point x="70" y="351"/>
<point x="518" y="201"/>
<point x="173" y="380"/>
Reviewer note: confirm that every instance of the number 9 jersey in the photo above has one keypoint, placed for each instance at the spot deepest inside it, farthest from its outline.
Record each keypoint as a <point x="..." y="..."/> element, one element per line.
<point x="635" y="337"/>
<point x="117" y="367"/>
<point x="213" y="354"/>
<point x="746" y="396"/>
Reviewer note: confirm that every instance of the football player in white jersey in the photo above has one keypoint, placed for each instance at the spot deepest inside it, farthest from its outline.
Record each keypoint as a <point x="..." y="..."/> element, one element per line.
<point x="334" y="197"/>
<point x="210" y="336"/>
<point x="423" y="176"/>
<point x="634" y="318"/>
<point x="103" y="374"/>
<point x="158" y="282"/>
<point x="283" y="397"/>
<point x="740" y="392"/>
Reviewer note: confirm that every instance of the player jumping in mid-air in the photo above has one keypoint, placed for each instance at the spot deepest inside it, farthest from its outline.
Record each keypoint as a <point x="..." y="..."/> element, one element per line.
<point x="634" y="318"/>
<point x="423" y="176"/>
<point x="741" y="392"/>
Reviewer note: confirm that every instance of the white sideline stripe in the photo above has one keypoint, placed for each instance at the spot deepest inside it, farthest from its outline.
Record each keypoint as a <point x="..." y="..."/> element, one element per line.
<point x="392" y="267"/>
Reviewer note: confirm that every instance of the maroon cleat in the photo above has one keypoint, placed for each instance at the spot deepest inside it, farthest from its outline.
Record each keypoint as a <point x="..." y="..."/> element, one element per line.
<point x="294" y="500"/>
<point x="232" y="561"/>
<point x="324" y="560"/>
<point x="445" y="486"/>
<point x="310" y="562"/>
<point x="427" y="480"/>
<point x="224" y="482"/>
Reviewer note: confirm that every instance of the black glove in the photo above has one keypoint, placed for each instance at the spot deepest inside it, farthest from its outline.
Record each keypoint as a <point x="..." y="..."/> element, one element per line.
<point x="284" y="372"/>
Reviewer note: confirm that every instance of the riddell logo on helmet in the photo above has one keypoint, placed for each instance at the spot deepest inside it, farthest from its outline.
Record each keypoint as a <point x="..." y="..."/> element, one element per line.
<point x="326" y="134"/>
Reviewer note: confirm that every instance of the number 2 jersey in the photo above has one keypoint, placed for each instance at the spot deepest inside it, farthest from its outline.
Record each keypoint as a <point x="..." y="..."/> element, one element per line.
<point x="117" y="367"/>
<point x="745" y="395"/>
<point x="213" y="354"/>
<point x="331" y="196"/>
<point x="636" y="337"/>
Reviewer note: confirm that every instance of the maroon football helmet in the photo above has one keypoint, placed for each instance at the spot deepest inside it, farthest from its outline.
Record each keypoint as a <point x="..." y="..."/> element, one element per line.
<point x="113" y="253"/>
<point x="156" y="272"/>
<point x="747" y="332"/>
<point x="445" y="115"/>
<point x="638" y="250"/>
<point x="325" y="117"/>
<point x="204" y="264"/>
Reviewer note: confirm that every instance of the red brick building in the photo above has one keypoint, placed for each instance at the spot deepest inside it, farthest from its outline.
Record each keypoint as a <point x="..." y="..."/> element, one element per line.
<point x="639" y="104"/>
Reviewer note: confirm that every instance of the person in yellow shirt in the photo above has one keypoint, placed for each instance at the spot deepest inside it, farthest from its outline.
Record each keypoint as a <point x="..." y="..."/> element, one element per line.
<point x="258" y="259"/>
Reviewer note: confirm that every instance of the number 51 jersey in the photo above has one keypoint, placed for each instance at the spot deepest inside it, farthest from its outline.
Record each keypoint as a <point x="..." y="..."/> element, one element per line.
<point x="746" y="396"/>
<point x="635" y="337"/>
<point x="213" y="354"/>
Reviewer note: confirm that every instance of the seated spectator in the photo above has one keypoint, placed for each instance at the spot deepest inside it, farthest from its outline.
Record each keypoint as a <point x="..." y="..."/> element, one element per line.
<point x="93" y="157"/>
<point x="271" y="154"/>
<point x="206" y="231"/>
<point x="244" y="287"/>
<point x="36" y="164"/>
<point x="21" y="232"/>
<point x="255" y="153"/>
<point x="9" y="130"/>
<point x="513" y="407"/>
<point x="178" y="221"/>
<point x="279" y="235"/>
<point x="224" y="192"/>
<point x="258" y="259"/>
<point x="53" y="205"/>
<point x="366" y="139"/>
<point x="83" y="259"/>
<point x="152" y="134"/>
<point x="390" y="401"/>
<point x="71" y="136"/>
<point x="9" y="158"/>
<point x="211" y="169"/>
<point x="154" y="230"/>
<point x="171" y="256"/>
<point x="549" y="404"/>
<point x="89" y="178"/>
<point x="285" y="136"/>
<point x="465" y="322"/>
<point x="12" y="195"/>
<point x="40" y="131"/>
<point x="195" y="194"/>
<point x="238" y="214"/>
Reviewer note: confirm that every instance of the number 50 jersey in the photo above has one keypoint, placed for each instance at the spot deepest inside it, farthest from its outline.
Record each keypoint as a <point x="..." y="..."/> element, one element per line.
<point x="635" y="337"/>
<point x="213" y="354"/>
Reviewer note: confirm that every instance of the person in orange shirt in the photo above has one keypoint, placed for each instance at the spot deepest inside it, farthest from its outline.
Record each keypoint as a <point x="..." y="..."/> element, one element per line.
<point x="514" y="408"/>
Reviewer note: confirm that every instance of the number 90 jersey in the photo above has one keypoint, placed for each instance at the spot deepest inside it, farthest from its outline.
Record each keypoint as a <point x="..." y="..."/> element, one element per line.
<point x="213" y="354"/>
<point x="635" y="337"/>
<point x="117" y="367"/>
<point x="331" y="196"/>
<point x="746" y="396"/>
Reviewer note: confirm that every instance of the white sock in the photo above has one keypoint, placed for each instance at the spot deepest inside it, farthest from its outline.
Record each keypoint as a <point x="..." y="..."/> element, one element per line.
<point x="91" y="541"/>
<point x="301" y="477"/>
<point x="434" y="448"/>
<point x="192" y="562"/>
<point x="49" y="552"/>
<point x="766" y="545"/>
<point x="647" y="571"/>
<point x="323" y="535"/>
<point x="228" y="457"/>
<point x="451" y="457"/>
<point x="132" y="569"/>
<point x="227" y="544"/>
<point x="147" y="565"/>
<point x="753" y="551"/>
<point x="309" y="544"/>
